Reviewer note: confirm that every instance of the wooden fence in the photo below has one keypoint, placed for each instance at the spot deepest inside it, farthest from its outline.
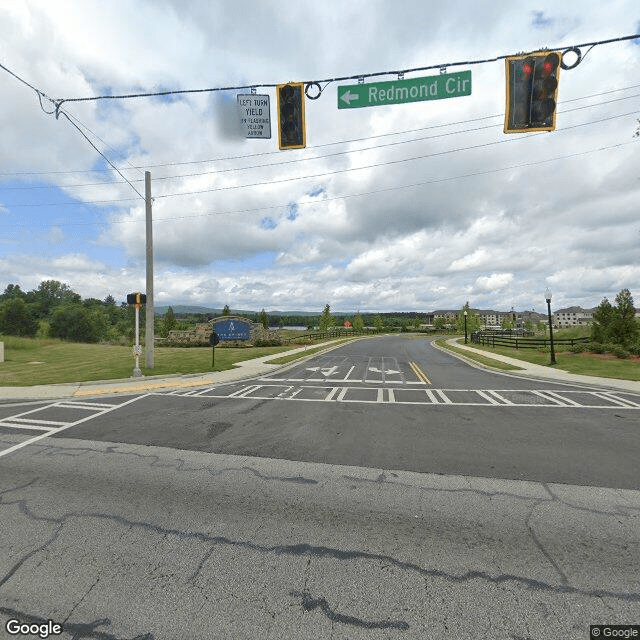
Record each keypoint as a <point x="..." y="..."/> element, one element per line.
<point x="334" y="332"/>
<point x="498" y="340"/>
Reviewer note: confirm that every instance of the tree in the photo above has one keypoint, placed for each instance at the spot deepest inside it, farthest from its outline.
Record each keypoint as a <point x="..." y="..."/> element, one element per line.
<point x="326" y="319"/>
<point x="615" y="324"/>
<point x="50" y="294"/>
<point x="226" y="311"/>
<point x="77" y="323"/>
<point x="168" y="322"/>
<point x="110" y="300"/>
<point x="439" y="323"/>
<point x="473" y="320"/>
<point x="13" y="291"/>
<point x="358" y="322"/>
<point x="264" y="320"/>
<point x="17" y="319"/>
<point x="624" y="328"/>
<point x="602" y="322"/>
<point x="378" y="323"/>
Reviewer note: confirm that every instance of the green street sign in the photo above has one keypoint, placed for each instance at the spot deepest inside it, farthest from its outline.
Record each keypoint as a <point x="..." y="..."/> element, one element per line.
<point x="376" y="94"/>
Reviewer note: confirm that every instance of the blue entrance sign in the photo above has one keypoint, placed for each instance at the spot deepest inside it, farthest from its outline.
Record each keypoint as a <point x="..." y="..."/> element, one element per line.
<point x="233" y="329"/>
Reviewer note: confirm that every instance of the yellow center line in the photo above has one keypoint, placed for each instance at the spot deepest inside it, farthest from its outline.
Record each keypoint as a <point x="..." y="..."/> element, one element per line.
<point x="419" y="373"/>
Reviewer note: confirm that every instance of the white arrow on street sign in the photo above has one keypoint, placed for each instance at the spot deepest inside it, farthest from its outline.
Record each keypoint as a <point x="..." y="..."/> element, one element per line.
<point x="348" y="97"/>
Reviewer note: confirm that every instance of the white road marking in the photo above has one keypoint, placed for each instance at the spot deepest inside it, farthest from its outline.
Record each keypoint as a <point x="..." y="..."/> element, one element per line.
<point x="464" y="397"/>
<point x="14" y="425"/>
<point x="53" y="431"/>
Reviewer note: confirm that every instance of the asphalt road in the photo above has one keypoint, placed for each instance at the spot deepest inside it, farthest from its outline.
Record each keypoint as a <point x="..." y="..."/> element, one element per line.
<point x="397" y="403"/>
<point x="449" y="503"/>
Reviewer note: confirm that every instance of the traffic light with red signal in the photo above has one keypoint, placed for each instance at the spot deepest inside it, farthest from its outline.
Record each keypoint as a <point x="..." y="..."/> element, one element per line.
<point x="532" y="90"/>
<point x="291" y="123"/>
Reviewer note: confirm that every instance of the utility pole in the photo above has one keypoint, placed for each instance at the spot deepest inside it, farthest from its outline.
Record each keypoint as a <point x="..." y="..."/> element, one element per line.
<point x="149" y="334"/>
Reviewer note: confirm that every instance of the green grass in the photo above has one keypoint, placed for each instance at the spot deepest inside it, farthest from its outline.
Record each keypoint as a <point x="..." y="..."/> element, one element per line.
<point x="48" y="361"/>
<point x="573" y="363"/>
<point x="490" y="362"/>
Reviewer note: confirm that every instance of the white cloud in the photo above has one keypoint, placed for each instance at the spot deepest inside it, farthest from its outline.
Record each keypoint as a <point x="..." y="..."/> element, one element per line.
<point x="494" y="282"/>
<point x="456" y="211"/>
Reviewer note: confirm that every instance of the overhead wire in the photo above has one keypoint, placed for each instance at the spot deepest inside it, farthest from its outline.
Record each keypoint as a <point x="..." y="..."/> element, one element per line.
<point x="57" y="103"/>
<point x="358" y="76"/>
<point x="348" y="151"/>
<point x="318" y="146"/>
<point x="337" y="171"/>
<point x="354" y="195"/>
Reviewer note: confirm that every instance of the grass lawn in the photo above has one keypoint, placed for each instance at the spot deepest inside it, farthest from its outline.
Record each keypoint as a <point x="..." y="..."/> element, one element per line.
<point x="581" y="363"/>
<point x="48" y="361"/>
<point x="490" y="362"/>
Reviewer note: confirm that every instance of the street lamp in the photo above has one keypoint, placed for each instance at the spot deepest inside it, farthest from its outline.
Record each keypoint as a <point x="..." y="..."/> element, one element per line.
<point x="547" y="296"/>
<point x="465" y="326"/>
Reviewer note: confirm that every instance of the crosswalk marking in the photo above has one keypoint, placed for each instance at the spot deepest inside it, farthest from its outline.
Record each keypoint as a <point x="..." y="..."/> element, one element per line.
<point x="51" y="423"/>
<point x="401" y="394"/>
<point x="30" y="427"/>
<point x="28" y="422"/>
<point x="622" y="402"/>
<point x="490" y="398"/>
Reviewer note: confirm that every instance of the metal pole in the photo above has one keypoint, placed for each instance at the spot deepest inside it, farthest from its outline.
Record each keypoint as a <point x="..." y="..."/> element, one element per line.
<point x="150" y="330"/>
<point x="553" y="354"/>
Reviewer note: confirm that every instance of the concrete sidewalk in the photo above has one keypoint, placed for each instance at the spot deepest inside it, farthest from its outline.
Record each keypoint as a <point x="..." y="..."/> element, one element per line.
<point x="245" y="369"/>
<point x="544" y="372"/>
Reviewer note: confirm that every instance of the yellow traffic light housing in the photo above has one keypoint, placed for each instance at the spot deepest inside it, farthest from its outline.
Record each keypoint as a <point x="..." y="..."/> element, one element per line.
<point x="531" y="92"/>
<point x="291" y="123"/>
<point x="137" y="299"/>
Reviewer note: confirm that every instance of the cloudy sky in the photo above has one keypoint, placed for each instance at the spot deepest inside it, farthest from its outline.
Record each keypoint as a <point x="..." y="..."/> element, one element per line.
<point x="397" y="207"/>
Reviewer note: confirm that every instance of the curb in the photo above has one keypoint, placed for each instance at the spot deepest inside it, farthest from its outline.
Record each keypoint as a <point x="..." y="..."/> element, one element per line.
<point x="538" y="371"/>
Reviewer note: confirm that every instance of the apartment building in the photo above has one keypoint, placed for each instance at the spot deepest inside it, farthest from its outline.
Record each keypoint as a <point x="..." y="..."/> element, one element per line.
<point x="573" y="316"/>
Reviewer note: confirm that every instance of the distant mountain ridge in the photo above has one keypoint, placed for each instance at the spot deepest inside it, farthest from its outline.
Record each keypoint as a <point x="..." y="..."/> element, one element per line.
<point x="183" y="308"/>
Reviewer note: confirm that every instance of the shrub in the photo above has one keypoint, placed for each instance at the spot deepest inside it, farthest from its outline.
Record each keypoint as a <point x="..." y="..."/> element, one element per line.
<point x="619" y="352"/>
<point x="17" y="319"/>
<point x="75" y="322"/>
<point x="577" y="348"/>
<point x="596" y="347"/>
<point x="267" y="343"/>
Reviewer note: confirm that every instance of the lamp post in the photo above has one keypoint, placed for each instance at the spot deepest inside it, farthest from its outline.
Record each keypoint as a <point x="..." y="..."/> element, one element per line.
<point x="547" y="296"/>
<point x="465" y="326"/>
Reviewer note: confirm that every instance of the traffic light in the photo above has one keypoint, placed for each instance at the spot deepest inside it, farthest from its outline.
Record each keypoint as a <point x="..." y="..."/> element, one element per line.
<point x="291" y="125"/>
<point x="136" y="298"/>
<point x="532" y="89"/>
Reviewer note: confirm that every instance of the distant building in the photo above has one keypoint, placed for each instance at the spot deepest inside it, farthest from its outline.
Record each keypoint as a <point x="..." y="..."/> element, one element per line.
<point x="573" y="316"/>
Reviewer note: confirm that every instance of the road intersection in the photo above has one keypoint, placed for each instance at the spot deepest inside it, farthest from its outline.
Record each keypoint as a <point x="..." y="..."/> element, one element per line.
<point x="382" y="490"/>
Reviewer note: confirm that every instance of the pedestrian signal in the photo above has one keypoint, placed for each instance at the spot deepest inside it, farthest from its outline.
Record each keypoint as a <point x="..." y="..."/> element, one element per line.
<point x="136" y="298"/>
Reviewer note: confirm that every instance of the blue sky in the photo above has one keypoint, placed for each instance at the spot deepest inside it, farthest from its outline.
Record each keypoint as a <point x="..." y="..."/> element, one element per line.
<point x="398" y="207"/>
